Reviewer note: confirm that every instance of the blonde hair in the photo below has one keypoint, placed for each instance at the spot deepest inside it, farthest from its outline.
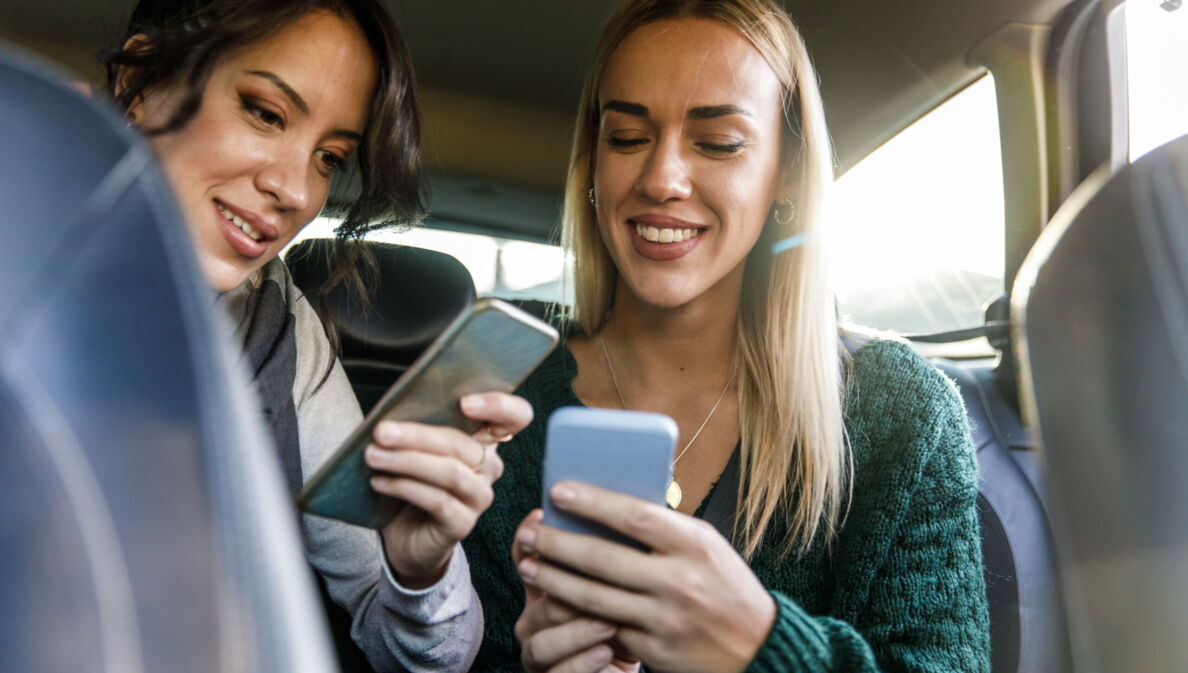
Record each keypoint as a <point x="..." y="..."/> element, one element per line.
<point x="794" y="450"/>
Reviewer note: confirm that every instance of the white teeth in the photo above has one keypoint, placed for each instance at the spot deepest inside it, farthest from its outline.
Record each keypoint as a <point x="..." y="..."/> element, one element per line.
<point x="247" y="228"/>
<point x="656" y="235"/>
<point x="237" y="221"/>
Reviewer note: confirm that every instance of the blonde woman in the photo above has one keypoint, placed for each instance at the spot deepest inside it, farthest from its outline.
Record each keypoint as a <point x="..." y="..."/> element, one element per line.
<point x="822" y="516"/>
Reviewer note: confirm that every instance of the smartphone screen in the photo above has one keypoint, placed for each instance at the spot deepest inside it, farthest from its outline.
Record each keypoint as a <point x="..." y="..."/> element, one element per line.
<point x="490" y="347"/>
<point x="625" y="451"/>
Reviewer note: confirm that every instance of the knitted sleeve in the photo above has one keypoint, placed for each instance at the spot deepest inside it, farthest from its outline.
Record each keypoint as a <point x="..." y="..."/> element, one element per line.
<point x="910" y="592"/>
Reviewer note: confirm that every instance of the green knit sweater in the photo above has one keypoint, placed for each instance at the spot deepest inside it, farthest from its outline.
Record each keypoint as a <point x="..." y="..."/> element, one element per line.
<point x="902" y="589"/>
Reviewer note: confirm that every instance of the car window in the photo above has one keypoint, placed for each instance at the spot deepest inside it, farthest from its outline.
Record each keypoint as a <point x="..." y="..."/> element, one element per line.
<point x="501" y="267"/>
<point x="1156" y="51"/>
<point x="916" y="230"/>
<point x="917" y="226"/>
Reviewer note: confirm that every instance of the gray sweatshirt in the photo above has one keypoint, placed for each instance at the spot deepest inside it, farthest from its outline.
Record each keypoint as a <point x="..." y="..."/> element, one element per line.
<point x="434" y="629"/>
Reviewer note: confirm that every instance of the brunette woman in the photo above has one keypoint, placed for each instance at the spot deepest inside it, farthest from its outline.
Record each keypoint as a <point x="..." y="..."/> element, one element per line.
<point x="252" y="107"/>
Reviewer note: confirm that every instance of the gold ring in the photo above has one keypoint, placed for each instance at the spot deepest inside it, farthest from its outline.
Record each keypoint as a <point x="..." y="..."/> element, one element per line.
<point x="499" y="439"/>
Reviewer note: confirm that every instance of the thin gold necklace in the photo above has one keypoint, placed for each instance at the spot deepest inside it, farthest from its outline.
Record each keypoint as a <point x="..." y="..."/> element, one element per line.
<point x="674" y="494"/>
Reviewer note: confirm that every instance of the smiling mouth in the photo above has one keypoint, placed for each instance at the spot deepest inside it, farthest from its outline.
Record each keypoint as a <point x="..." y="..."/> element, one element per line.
<point x="658" y="235"/>
<point x="238" y="221"/>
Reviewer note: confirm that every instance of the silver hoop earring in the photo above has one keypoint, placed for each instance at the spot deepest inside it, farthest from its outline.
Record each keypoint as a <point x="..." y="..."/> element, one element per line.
<point x="590" y="196"/>
<point x="788" y="208"/>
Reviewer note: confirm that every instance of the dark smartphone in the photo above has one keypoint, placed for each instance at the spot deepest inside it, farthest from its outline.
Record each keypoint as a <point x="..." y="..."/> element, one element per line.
<point x="490" y="347"/>
<point x="625" y="451"/>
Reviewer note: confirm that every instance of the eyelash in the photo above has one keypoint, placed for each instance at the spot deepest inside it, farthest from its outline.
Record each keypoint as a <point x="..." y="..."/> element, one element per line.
<point x="712" y="148"/>
<point x="332" y="161"/>
<point x="620" y="143"/>
<point x="262" y="115"/>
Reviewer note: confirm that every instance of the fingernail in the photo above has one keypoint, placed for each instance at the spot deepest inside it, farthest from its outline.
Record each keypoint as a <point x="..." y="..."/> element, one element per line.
<point x="525" y="538"/>
<point x="602" y="628"/>
<point x="601" y="655"/>
<point x="388" y="432"/>
<point x="472" y="404"/>
<point x="562" y="495"/>
<point x="528" y="569"/>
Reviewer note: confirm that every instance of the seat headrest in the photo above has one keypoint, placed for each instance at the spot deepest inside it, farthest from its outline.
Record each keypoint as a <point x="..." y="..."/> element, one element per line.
<point x="416" y="293"/>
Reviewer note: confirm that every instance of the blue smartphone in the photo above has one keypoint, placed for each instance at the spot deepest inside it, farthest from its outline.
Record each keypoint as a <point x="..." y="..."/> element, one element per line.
<point x="625" y="451"/>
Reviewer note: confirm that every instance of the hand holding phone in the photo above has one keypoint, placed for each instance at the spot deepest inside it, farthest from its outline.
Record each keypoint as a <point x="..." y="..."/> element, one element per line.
<point x="490" y="347"/>
<point x="445" y="479"/>
<point x="625" y="451"/>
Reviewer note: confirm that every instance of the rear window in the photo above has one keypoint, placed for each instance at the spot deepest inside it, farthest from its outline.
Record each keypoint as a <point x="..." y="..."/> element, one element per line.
<point x="501" y="267"/>
<point x="917" y="226"/>
<point x="916" y="230"/>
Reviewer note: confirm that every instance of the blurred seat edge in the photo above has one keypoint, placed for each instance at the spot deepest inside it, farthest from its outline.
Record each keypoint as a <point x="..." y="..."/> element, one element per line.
<point x="145" y="526"/>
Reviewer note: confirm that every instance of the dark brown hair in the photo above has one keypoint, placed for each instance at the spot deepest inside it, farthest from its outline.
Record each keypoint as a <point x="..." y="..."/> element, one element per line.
<point x="185" y="39"/>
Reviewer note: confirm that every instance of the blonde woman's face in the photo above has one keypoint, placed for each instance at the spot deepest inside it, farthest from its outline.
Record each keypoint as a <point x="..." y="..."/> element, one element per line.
<point x="687" y="165"/>
<point x="255" y="163"/>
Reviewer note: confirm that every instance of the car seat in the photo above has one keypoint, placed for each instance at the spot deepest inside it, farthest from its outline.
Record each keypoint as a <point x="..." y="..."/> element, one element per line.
<point x="142" y="522"/>
<point x="1102" y="312"/>
<point x="1028" y="625"/>
<point x="415" y="294"/>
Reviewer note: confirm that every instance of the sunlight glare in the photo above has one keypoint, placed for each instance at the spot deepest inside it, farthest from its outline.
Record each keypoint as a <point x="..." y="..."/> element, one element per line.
<point x="1156" y="53"/>
<point x="925" y="208"/>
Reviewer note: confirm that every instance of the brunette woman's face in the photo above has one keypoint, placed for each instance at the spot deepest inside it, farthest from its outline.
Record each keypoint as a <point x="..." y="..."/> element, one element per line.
<point x="687" y="164"/>
<point x="277" y="119"/>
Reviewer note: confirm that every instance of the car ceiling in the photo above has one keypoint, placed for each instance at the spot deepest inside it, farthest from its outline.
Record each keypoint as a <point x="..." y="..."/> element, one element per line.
<point x="499" y="80"/>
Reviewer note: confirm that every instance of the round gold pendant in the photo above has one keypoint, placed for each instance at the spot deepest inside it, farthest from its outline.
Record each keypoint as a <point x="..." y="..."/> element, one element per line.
<point x="673" y="495"/>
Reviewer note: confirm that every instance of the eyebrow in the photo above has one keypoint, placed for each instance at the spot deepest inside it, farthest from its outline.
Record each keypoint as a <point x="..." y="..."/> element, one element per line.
<point x="705" y="112"/>
<point x="284" y="87"/>
<point x="712" y="111"/>
<point x="633" y="109"/>
<point x="300" y="102"/>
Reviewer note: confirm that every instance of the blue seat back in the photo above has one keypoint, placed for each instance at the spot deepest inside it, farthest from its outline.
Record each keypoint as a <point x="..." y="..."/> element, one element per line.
<point x="142" y="525"/>
<point x="1028" y="622"/>
<point x="1102" y="306"/>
